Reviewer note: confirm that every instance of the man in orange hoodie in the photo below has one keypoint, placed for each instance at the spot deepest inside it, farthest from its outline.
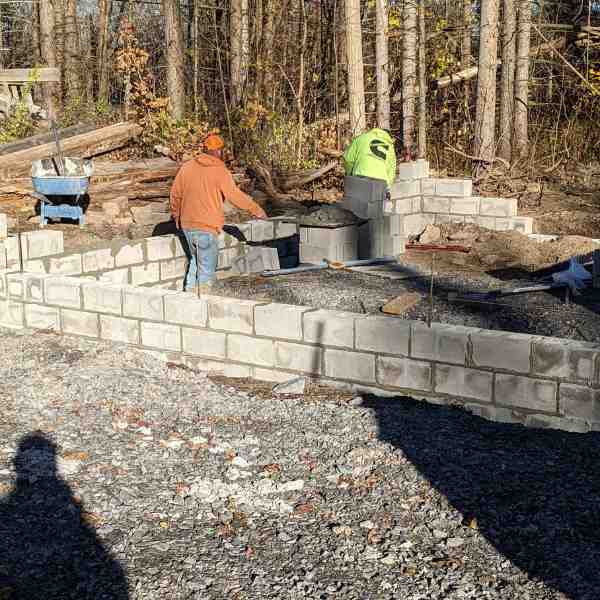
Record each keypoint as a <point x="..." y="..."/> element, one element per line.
<point x="197" y="196"/>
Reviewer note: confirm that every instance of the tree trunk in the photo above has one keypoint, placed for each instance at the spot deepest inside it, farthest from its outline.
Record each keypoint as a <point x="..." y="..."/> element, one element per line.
<point x="422" y="146"/>
<point x="102" y="56"/>
<point x="48" y="53"/>
<point x="59" y="42"/>
<point x="35" y="34"/>
<point x="521" y="136"/>
<point x="409" y="74"/>
<point x="301" y="68"/>
<point x="485" y="118"/>
<point x="509" y="46"/>
<point x="266" y="73"/>
<point x="239" y="49"/>
<point x="466" y="53"/>
<point x="175" y="59"/>
<point x="356" y="85"/>
<point x="381" y="60"/>
<point x="72" y="72"/>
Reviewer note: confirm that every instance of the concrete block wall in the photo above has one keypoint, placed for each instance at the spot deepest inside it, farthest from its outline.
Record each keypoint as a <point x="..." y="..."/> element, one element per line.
<point x="536" y="381"/>
<point x="317" y="243"/>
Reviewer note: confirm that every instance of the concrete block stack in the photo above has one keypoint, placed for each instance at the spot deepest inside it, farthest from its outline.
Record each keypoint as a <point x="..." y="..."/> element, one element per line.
<point x="256" y="260"/>
<point x="339" y="243"/>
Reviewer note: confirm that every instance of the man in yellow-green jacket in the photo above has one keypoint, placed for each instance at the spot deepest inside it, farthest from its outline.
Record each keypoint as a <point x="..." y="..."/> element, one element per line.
<point x="372" y="155"/>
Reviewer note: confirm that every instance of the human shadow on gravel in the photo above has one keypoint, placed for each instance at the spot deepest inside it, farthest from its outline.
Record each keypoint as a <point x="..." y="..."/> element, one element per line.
<point x="47" y="550"/>
<point x="535" y="494"/>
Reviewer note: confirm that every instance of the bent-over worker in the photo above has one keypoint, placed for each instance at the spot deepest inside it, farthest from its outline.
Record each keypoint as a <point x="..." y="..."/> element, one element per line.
<point x="372" y="155"/>
<point x="199" y="190"/>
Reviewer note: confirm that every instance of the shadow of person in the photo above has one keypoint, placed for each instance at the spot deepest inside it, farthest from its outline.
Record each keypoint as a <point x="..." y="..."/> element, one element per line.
<point x="534" y="494"/>
<point x="47" y="551"/>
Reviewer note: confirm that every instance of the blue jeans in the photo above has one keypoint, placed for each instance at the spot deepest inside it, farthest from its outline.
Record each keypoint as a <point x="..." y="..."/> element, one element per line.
<point x="203" y="250"/>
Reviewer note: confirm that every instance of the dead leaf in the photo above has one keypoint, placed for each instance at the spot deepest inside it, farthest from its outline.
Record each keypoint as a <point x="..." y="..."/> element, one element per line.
<point x="75" y="456"/>
<point x="249" y="552"/>
<point x="164" y="525"/>
<point x="302" y="509"/>
<point x="182" y="489"/>
<point x="271" y="468"/>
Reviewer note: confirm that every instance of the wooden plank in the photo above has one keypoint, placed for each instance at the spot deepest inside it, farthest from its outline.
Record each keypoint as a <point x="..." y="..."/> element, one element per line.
<point x="41" y="75"/>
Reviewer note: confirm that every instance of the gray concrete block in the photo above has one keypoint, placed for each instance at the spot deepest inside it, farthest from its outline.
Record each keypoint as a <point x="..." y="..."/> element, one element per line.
<point x="416" y="169"/>
<point x="498" y="207"/>
<point x="557" y="358"/>
<point x="465" y="206"/>
<point x="453" y="187"/>
<point x="502" y="224"/>
<point x="129" y="254"/>
<point x="179" y="246"/>
<point x="25" y="286"/>
<point x="186" y="309"/>
<point x="65" y="265"/>
<point x="4" y="286"/>
<point x="562" y="423"/>
<point x="203" y="342"/>
<point x="117" y="276"/>
<point x="143" y="303"/>
<point x="117" y="329"/>
<point x="436" y="204"/>
<point x="245" y="349"/>
<point x="428" y="186"/>
<point x="160" y="335"/>
<point x="394" y="245"/>
<point x="38" y="316"/>
<point x="272" y="376"/>
<point x="404" y="373"/>
<point x="525" y="392"/>
<point x="387" y="335"/>
<point x="147" y="273"/>
<point x="63" y="291"/>
<point x="487" y="223"/>
<point x="329" y="328"/>
<point x="41" y="243"/>
<point x="443" y="219"/>
<point x="351" y="366"/>
<point x="160" y="247"/>
<point x="388" y="226"/>
<point x="284" y="229"/>
<point x="464" y="383"/>
<point x="78" y="322"/>
<point x="501" y="350"/>
<point x="173" y="269"/>
<point x="298" y="357"/>
<point x="3" y="226"/>
<point x="102" y="297"/>
<point x="11" y="245"/>
<point x="35" y="266"/>
<point x="499" y="414"/>
<point x="98" y="260"/>
<point x="579" y="401"/>
<point x="522" y="224"/>
<point x="231" y="314"/>
<point x="441" y="343"/>
<point x="404" y="188"/>
<point x="261" y="230"/>
<point x="256" y="260"/>
<point x="414" y="224"/>
<point x="279" y="321"/>
<point x="11" y="314"/>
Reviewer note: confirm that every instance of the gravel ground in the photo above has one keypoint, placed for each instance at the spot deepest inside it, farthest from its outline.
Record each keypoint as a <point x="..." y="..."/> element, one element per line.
<point x="125" y="477"/>
<point x="366" y="292"/>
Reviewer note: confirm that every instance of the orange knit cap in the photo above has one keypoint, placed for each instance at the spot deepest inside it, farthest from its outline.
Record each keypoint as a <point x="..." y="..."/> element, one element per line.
<point x="214" y="142"/>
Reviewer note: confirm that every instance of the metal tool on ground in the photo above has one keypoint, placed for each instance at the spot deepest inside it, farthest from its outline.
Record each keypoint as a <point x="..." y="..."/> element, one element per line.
<point x="58" y="160"/>
<point x="326" y="264"/>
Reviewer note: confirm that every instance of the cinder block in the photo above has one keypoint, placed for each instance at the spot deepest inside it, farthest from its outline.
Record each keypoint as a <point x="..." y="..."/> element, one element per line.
<point x="387" y="335"/>
<point x="453" y="187"/>
<point x="242" y="348"/>
<point x="38" y="316"/>
<point x="11" y="314"/>
<point x="66" y="265"/>
<point x="502" y="224"/>
<point x="417" y="169"/>
<point x="297" y="357"/>
<point x="160" y="247"/>
<point x="40" y="243"/>
<point x="465" y="206"/>
<point x="160" y="335"/>
<point x="414" y="224"/>
<point x="351" y="366"/>
<point x="525" y="392"/>
<point x="173" y="269"/>
<point x="498" y="207"/>
<point x="203" y="342"/>
<point x="388" y="226"/>
<point x="394" y="246"/>
<point x="143" y="303"/>
<point x="78" y="322"/>
<point x="428" y="186"/>
<point x="143" y="274"/>
<point x="403" y="188"/>
<point x="436" y="204"/>
<point x="63" y="291"/>
<point x="261" y="231"/>
<point x="557" y="358"/>
<point x="179" y="246"/>
<point x="186" y="309"/>
<point x="3" y="226"/>
<point x="283" y="229"/>
<point x="256" y="260"/>
<point x="464" y="383"/>
<point x="442" y="219"/>
<point x="501" y="350"/>
<point x="523" y="225"/>
<point x="404" y="373"/>
<point x="279" y="321"/>
<point x="117" y="329"/>
<point x="406" y="206"/>
<point x="3" y="261"/>
<point x="231" y="314"/>
<point x="102" y="297"/>
<point x="3" y="286"/>
<point x="329" y="328"/>
<point x="563" y="423"/>
<point x="442" y="343"/>
<point x="579" y="401"/>
<point x="11" y="246"/>
<point x="487" y="222"/>
<point x="272" y="376"/>
<point x="129" y="254"/>
<point x="364" y="197"/>
<point x="25" y="286"/>
<point x="341" y="252"/>
<point x="116" y="276"/>
<point x="98" y="260"/>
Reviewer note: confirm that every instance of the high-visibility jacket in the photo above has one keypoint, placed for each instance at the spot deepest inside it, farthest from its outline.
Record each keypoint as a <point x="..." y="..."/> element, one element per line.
<point x="372" y="155"/>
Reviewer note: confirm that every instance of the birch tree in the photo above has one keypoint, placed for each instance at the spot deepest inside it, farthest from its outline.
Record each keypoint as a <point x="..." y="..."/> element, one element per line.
<point x="381" y="61"/>
<point x="485" y="118"/>
<point x="175" y="60"/>
<point x="409" y="74"/>
<point x="356" y="85"/>
<point x="509" y="34"/>
<point x="521" y="135"/>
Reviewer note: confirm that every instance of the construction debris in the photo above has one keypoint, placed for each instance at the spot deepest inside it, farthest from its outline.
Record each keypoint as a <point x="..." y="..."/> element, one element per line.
<point x="401" y="304"/>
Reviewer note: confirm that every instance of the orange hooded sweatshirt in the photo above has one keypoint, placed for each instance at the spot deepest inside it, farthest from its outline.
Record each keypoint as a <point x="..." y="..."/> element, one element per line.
<point x="198" y="192"/>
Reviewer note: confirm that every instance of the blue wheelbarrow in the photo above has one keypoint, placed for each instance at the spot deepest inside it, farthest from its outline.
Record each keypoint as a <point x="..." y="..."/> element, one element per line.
<point x="51" y="189"/>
